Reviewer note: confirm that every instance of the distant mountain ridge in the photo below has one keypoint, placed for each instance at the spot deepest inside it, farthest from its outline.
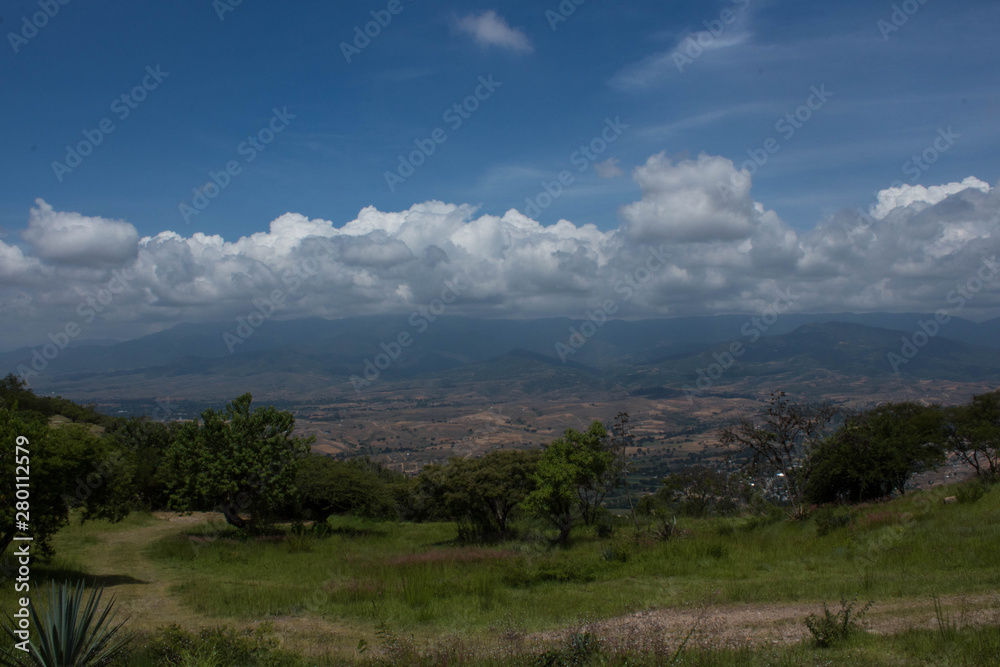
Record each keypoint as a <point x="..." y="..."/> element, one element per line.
<point x="313" y="354"/>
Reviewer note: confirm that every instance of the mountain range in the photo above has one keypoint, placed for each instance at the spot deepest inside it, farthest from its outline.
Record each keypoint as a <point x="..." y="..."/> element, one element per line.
<point x="316" y="357"/>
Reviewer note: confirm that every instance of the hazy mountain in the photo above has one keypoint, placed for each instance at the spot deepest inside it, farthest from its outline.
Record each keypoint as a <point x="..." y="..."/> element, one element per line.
<point x="315" y="357"/>
<point x="351" y="341"/>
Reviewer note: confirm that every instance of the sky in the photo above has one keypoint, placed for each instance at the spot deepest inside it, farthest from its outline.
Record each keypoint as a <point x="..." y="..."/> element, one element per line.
<point x="190" y="161"/>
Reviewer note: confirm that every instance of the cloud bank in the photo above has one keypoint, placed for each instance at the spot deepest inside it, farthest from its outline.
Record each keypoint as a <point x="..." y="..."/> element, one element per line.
<point x="727" y="253"/>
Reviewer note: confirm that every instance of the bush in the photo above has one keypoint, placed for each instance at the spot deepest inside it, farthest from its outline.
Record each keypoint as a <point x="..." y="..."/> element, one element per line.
<point x="215" y="646"/>
<point x="73" y="628"/>
<point x="875" y="453"/>
<point x="971" y="491"/>
<point x="829" y="519"/>
<point x="769" y="515"/>
<point x="618" y="550"/>
<point x="581" y="648"/>
<point x="604" y="530"/>
<point x="830" y="629"/>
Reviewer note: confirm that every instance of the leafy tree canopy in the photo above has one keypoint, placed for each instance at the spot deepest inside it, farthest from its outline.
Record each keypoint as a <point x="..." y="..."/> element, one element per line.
<point x="485" y="491"/>
<point x="874" y="453"/>
<point x="326" y="487"/>
<point x="239" y="462"/>
<point x="573" y="476"/>
<point x="973" y="433"/>
<point x="69" y="467"/>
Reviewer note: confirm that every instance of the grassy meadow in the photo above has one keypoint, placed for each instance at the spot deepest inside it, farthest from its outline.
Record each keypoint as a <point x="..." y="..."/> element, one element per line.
<point x="406" y="593"/>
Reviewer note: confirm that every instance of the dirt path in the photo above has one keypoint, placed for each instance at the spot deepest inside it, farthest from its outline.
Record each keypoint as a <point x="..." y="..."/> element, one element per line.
<point x="140" y="587"/>
<point x="779" y="623"/>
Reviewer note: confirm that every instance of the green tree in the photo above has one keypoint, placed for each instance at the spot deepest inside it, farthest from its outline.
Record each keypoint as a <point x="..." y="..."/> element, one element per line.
<point x="14" y="390"/>
<point x="145" y="442"/>
<point x="779" y="442"/>
<point x="237" y="462"/>
<point x="325" y="487"/>
<point x="573" y="476"/>
<point x="621" y="440"/>
<point x="875" y="453"/>
<point x="69" y="467"/>
<point x="972" y="432"/>
<point x="699" y="490"/>
<point x="484" y="492"/>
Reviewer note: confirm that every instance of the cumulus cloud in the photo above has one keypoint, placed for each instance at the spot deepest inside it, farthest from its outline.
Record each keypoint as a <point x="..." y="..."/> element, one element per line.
<point x="695" y="200"/>
<point x="905" y="195"/>
<point x="15" y="267"/>
<point x="489" y="29"/>
<point x="77" y="239"/>
<point x="712" y="253"/>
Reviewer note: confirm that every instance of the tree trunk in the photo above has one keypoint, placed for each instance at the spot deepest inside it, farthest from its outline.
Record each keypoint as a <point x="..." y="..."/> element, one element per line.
<point x="233" y="516"/>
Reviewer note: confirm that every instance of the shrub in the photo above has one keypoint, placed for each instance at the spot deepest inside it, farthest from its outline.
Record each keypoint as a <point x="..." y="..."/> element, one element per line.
<point x="829" y="519"/>
<point x="215" y="646"/>
<point x="970" y="491"/>
<point x="619" y="550"/>
<point x="769" y="514"/>
<point x="834" y="628"/>
<point x="581" y="648"/>
<point x="605" y="530"/>
<point x="71" y="631"/>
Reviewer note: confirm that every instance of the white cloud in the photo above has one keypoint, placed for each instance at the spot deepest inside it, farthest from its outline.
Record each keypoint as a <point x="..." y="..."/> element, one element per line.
<point x="488" y="29"/>
<point x="695" y="200"/>
<point x="77" y="239"/>
<point x="726" y="254"/>
<point x="608" y="169"/>
<point x="905" y="195"/>
<point x="14" y="266"/>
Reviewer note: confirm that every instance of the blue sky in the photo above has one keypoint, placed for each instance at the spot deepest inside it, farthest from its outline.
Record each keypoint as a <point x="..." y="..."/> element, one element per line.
<point x="672" y="98"/>
<point x="353" y="119"/>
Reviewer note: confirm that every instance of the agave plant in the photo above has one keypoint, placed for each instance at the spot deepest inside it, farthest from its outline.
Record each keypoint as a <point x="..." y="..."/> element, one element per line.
<point x="69" y="632"/>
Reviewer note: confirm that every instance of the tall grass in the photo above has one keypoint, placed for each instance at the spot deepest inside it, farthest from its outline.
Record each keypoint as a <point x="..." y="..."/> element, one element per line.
<point x="421" y="577"/>
<point x="417" y="579"/>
